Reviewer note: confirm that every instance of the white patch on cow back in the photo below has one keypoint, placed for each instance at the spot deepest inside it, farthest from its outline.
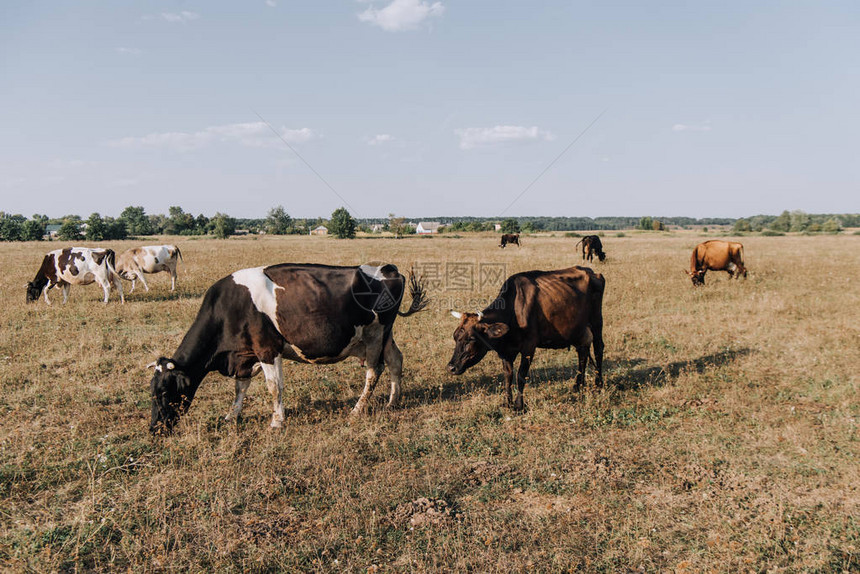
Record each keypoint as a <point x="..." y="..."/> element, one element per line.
<point x="375" y="272"/>
<point x="262" y="290"/>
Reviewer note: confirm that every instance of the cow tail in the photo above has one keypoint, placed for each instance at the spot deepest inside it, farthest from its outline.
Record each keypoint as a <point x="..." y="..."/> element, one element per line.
<point x="110" y="257"/>
<point x="578" y="242"/>
<point x="418" y="294"/>
<point x="179" y="253"/>
<point x="743" y="263"/>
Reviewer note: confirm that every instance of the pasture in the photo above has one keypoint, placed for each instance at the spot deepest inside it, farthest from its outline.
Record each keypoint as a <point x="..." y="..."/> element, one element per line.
<point x="724" y="440"/>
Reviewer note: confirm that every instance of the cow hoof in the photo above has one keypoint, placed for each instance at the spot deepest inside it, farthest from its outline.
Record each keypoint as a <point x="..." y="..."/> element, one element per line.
<point x="277" y="423"/>
<point x="519" y="406"/>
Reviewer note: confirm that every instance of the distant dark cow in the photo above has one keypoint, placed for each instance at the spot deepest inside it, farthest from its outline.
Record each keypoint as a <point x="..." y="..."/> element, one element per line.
<point x="717" y="255"/>
<point x="535" y="309"/>
<point x="591" y="246"/>
<point x="132" y="264"/>
<point x="75" y="266"/>
<point x="306" y="313"/>
<point x="513" y="238"/>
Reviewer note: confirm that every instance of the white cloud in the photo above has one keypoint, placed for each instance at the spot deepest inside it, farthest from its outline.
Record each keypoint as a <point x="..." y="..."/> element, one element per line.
<point x="471" y="138"/>
<point x="401" y="15"/>
<point x="702" y="127"/>
<point x="128" y="51"/>
<point x="380" y="139"/>
<point x="179" y="17"/>
<point x="253" y="134"/>
<point x="271" y="3"/>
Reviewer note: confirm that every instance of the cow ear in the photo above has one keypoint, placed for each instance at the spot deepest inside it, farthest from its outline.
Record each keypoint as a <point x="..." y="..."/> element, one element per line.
<point x="496" y="330"/>
<point x="456" y="314"/>
<point x="152" y="364"/>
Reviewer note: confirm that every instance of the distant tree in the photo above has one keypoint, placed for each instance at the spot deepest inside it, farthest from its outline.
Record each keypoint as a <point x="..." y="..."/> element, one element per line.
<point x="396" y="225"/>
<point x="646" y="223"/>
<point x="178" y="222"/>
<point x="278" y="221"/>
<point x="782" y="223"/>
<point x="222" y="225"/>
<point x="510" y="225"/>
<point x="832" y="225"/>
<point x="657" y="225"/>
<point x="33" y="230"/>
<point x="741" y="226"/>
<point x="201" y="224"/>
<point x="800" y="220"/>
<point x="95" y="230"/>
<point x="70" y="230"/>
<point x="115" y="229"/>
<point x="528" y="227"/>
<point x="11" y="227"/>
<point x="342" y="225"/>
<point x="136" y="221"/>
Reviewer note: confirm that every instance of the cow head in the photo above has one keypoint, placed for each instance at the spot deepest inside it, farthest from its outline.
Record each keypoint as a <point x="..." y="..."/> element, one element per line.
<point x="172" y="391"/>
<point x="472" y="339"/>
<point x="698" y="276"/>
<point x="33" y="291"/>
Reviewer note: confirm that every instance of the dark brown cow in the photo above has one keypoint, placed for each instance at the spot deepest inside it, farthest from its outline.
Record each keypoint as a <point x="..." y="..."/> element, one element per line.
<point x="536" y="309"/>
<point x="591" y="246"/>
<point x="510" y="238"/>
<point x="717" y="255"/>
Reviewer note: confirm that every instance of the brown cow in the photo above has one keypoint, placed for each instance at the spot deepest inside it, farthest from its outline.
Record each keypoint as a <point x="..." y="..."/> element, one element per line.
<point x="716" y="255"/>
<point x="510" y="238"/>
<point x="535" y="309"/>
<point x="592" y="246"/>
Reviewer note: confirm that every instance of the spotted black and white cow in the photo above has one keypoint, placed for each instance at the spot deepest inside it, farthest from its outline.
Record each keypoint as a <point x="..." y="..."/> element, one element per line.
<point x="75" y="266"/>
<point x="302" y="312"/>
<point x="133" y="263"/>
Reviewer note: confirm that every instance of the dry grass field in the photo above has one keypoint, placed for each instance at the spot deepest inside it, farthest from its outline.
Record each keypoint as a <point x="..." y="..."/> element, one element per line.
<point x="726" y="438"/>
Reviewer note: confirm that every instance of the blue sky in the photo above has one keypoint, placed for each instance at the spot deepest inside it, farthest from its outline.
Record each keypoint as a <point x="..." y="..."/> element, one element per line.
<point x="447" y="107"/>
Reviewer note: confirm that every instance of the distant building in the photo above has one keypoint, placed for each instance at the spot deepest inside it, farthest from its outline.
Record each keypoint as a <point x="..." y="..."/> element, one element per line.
<point x="427" y="227"/>
<point x="376" y="228"/>
<point x="321" y="230"/>
<point x="52" y="230"/>
<point x="497" y="226"/>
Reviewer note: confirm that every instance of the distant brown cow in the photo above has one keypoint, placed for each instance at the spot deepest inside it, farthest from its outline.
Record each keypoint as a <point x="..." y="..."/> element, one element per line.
<point x="592" y="246"/>
<point x="717" y="255"/>
<point x="510" y="238"/>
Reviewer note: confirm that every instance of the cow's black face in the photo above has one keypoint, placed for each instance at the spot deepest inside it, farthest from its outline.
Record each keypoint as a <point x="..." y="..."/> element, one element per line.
<point x="472" y="339"/>
<point x="172" y="392"/>
<point x="33" y="292"/>
<point x="698" y="278"/>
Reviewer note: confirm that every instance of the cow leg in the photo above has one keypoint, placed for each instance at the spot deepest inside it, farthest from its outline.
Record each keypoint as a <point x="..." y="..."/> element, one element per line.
<point x="522" y="376"/>
<point x="45" y="293"/>
<point x="370" y="378"/>
<point x="394" y="360"/>
<point x="598" y="355"/>
<point x="117" y="282"/>
<point x="142" y="280"/>
<point x="275" y="383"/>
<point x="173" y="278"/>
<point x="508" y="368"/>
<point x="65" y="288"/>
<point x="236" y="410"/>
<point x="106" y="288"/>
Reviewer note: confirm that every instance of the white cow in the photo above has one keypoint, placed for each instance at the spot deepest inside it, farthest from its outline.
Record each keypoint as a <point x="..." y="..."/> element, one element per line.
<point x="75" y="266"/>
<point x="148" y="259"/>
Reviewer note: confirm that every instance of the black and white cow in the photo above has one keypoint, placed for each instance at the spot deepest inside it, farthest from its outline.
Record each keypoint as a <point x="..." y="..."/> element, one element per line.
<point x="302" y="312"/>
<point x="75" y="266"/>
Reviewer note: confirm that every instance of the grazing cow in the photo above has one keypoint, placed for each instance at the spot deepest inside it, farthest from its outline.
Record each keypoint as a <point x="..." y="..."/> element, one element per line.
<point x="132" y="264"/>
<point x="75" y="266"/>
<point x="302" y="312"/>
<point x="591" y="245"/>
<point x="716" y="255"/>
<point x="535" y="309"/>
<point x="510" y="238"/>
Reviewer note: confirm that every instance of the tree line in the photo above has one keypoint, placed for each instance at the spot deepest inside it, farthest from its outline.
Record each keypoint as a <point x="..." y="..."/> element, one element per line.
<point x="135" y="222"/>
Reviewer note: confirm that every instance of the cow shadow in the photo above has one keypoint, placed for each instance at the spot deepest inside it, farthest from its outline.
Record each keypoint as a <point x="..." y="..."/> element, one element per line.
<point x="153" y="295"/>
<point x="623" y="374"/>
